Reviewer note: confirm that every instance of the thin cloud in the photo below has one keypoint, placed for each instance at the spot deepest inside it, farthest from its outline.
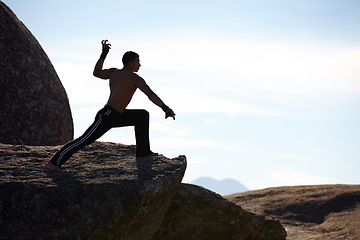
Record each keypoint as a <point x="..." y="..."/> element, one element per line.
<point x="291" y="177"/>
<point x="181" y="142"/>
<point x="170" y="130"/>
<point x="193" y="142"/>
<point x="196" y="101"/>
<point x="295" y="67"/>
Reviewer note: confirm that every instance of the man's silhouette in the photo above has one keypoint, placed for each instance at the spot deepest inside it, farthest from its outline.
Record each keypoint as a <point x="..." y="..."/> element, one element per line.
<point x="123" y="84"/>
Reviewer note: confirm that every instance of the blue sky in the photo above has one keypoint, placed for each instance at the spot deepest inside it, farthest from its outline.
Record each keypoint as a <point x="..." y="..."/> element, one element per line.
<point x="265" y="92"/>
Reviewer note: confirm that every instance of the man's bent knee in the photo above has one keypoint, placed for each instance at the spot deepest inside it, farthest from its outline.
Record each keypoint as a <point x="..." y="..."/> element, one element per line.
<point x="144" y="113"/>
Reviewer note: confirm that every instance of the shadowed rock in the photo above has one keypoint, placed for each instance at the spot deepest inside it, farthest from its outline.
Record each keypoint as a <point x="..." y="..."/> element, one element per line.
<point x="105" y="192"/>
<point x="197" y="213"/>
<point x="34" y="108"/>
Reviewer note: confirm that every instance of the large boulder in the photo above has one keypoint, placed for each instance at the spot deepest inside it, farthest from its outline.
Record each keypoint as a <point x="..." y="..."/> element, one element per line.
<point x="104" y="193"/>
<point x="196" y="213"/>
<point x="34" y="108"/>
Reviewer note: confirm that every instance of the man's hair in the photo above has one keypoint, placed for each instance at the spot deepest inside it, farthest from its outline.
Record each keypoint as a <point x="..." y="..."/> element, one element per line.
<point x="129" y="57"/>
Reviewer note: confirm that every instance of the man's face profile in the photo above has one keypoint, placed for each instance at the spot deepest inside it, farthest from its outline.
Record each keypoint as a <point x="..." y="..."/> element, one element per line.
<point x="135" y="65"/>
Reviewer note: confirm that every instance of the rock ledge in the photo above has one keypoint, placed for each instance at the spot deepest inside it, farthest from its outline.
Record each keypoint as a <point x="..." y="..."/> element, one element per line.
<point x="105" y="193"/>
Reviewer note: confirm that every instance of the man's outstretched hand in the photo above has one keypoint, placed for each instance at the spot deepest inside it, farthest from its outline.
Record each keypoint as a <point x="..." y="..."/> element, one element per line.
<point x="169" y="113"/>
<point x="105" y="49"/>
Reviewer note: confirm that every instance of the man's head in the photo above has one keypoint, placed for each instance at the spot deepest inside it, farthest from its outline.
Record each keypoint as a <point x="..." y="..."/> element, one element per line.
<point x="131" y="59"/>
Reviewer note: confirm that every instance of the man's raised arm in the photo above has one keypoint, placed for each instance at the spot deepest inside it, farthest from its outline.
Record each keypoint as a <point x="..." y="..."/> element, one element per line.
<point x="98" y="70"/>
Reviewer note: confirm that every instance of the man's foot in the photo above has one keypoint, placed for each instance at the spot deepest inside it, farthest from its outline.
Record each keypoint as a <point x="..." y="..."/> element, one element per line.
<point x="151" y="154"/>
<point x="52" y="167"/>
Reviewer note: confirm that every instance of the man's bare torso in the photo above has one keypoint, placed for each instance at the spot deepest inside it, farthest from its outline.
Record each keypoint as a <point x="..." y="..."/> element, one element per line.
<point x="123" y="84"/>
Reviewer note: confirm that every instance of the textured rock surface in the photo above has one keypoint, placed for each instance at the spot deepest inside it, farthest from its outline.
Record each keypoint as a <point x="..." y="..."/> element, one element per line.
<point x="104" y="193"/>
<point x="34" y="108"/>
<point x="197" y="213"/>
<point x="308" y="212"/>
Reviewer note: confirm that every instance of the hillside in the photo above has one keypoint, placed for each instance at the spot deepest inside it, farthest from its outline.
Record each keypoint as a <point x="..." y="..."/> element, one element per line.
<point x="308" y="212"/>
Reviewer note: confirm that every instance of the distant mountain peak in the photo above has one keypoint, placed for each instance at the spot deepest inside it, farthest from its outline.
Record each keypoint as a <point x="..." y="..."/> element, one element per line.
<point x="223" y="187"/>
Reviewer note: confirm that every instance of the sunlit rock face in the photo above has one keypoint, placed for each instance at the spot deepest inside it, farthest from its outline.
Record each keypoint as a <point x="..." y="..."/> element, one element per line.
<point x="34" y="107"/>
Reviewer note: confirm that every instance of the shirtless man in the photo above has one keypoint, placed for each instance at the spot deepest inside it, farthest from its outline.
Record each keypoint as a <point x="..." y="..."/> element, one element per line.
<point x="123" y="84"/>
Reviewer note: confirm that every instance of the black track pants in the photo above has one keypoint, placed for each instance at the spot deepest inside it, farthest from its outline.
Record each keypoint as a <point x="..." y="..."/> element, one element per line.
<point x="106" y="119"/>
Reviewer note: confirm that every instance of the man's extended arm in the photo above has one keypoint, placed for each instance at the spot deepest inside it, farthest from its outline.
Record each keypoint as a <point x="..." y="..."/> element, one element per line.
<point x="154" y="98"/>
<point x="98" y="70"/>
